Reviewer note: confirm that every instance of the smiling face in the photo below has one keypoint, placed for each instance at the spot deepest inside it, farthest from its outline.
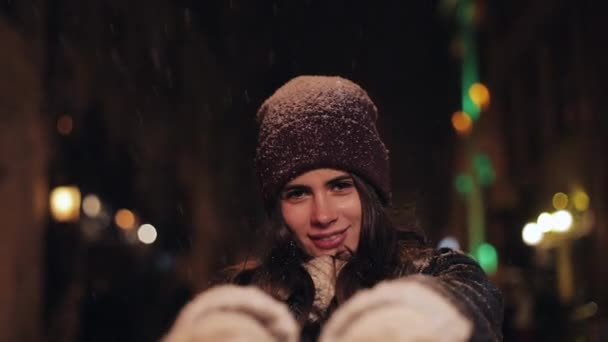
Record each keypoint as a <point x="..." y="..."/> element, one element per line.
<point x="322" y="208"/>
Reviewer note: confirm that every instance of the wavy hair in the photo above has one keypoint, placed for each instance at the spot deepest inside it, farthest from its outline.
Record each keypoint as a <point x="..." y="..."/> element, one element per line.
<point x="385" y="251"/>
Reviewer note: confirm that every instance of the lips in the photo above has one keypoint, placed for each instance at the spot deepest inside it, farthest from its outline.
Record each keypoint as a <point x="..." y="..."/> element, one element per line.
<point x="329" y="240"/>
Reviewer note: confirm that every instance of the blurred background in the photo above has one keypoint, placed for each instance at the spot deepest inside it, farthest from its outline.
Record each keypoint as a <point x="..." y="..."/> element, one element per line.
<point x="127" y="134"/>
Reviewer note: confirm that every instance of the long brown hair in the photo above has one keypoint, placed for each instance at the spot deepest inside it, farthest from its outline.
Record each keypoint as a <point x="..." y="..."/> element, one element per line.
<point x="384" y="252"/>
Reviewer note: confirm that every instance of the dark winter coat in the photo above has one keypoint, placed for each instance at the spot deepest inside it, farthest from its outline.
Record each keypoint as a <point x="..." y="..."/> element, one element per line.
<point x="442" y="282"/>
<point x="446" y="298"/>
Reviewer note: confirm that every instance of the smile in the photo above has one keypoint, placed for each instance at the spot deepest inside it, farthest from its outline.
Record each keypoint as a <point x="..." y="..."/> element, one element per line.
<point x="329" y="240"/>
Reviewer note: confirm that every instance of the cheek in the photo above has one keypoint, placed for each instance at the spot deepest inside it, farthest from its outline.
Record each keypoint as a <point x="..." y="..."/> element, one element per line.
<point x="352" y="210"/>
<point x="294" y="217"/>
<point x="354" y="216"/>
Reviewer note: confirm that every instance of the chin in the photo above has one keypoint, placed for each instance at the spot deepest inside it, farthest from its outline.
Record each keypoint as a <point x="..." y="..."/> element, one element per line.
<point x="330" y="253"/>
<point x="335" y="252"/>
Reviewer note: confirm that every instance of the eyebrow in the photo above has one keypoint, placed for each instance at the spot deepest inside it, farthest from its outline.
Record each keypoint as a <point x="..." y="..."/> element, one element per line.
<point x="329" y="182"/>
<point x="339" y="178"/>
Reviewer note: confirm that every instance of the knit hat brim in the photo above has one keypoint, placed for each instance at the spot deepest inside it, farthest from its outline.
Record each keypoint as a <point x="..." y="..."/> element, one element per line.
<point x="321" y="141"/>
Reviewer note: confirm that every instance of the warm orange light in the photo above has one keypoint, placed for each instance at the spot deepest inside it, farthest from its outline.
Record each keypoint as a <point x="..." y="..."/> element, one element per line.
<point x="480" y="95"/>
<point x="65" y="124"/>
<point x="125" y="219"/>
<point x="65" y="203"/>
<point x="462" y="123"/>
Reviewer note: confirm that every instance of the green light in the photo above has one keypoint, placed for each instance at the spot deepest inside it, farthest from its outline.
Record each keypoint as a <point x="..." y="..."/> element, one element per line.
<point x="470" y="74"/>
<point x="464" y="184"/>
<point x="469" y="107"/>
<point x="469" y="77"/>
<point x="483" y="168"/>
<point x="465" y="12"/>
<point x="487" y="257"/>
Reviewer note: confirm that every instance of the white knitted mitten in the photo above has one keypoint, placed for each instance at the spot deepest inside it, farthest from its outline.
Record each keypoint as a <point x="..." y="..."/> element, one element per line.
<point x="324" y="271"/>
<point x="234" y="313"/>
<point x="404" y="309"/>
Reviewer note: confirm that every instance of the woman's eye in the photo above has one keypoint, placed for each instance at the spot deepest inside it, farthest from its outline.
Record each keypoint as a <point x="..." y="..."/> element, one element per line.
<point x="294" y="194"/>
<point x="342" y="185"/>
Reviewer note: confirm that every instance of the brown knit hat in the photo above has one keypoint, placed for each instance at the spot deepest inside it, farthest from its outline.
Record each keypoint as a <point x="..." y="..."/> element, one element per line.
<point x="316" y="122"/>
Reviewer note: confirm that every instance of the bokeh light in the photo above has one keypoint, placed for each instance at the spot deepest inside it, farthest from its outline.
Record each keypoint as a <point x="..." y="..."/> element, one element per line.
<point x="91" y="205"/>
<point x="545" y="222"/>
<point x="581" y="200"/>
<point x="480" y="95"/>
<point x="562" y="221"/>
<point x="462" y="123"/>
<point x="487" y="257"/>
<point x="464" y="183"/>
<point x="124" y="219"/>
<point x="560" y="201"/>
<point x="532" y="234"/>
<point x="65" y="203"/>
<point x="147" y="233"/>
<point x="65" y="124"/>
<point x="449" y="242"/>
<point x="485" y="170"/>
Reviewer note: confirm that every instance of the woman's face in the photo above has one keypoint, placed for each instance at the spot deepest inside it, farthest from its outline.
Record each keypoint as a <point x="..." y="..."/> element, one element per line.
<point x="323" y="210"/>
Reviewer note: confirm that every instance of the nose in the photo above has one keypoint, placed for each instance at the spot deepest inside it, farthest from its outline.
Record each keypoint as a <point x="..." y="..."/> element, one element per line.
<point x="324" y="212"/>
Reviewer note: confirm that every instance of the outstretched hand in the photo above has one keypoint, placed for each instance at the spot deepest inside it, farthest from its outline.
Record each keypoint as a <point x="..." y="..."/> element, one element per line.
<point x="234" y="313"/>
<point x="397" y="310"/>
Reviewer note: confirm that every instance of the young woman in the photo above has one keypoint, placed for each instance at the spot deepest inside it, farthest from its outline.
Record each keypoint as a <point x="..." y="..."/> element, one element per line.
<point x="337" y="268"/>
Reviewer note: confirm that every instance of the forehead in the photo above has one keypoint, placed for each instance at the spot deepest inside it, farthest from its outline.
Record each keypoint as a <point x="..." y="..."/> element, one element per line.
<point x="317" y="176"/>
